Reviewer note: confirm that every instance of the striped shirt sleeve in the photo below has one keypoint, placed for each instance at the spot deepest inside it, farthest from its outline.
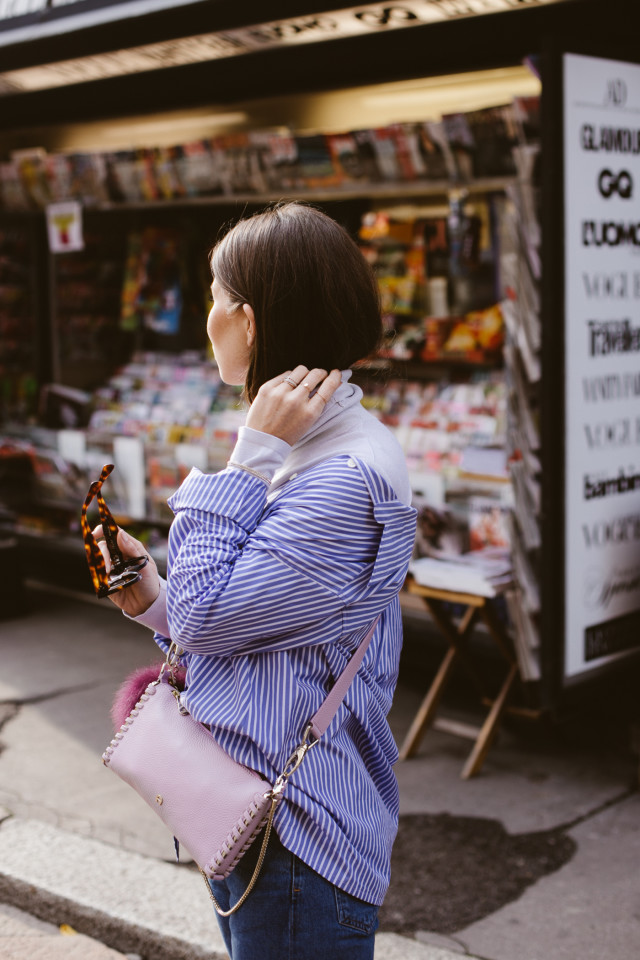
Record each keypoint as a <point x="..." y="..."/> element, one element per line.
<point x="248" y="576"/>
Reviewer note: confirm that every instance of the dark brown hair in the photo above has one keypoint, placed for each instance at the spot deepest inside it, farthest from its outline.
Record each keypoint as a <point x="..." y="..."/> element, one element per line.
<point x="313" y="294"/>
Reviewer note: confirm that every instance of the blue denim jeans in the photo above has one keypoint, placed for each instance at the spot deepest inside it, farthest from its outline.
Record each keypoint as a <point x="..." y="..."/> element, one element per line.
<point x="292" y="913"/>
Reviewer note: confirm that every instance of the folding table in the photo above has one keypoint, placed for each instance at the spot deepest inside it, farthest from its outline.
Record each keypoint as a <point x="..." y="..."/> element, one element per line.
<point x="457" y="635"/>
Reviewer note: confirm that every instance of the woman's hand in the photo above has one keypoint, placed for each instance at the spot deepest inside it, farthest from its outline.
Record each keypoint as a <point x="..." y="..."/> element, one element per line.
<point x="287" y="406"/>
<point x="137" y="598"/>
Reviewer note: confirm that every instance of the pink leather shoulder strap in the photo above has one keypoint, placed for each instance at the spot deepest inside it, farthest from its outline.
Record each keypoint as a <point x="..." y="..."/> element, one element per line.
<point x="323" y="717"/>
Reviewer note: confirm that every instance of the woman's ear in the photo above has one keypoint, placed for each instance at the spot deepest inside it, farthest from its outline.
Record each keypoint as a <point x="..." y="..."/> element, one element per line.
<point x="251" y="323"/>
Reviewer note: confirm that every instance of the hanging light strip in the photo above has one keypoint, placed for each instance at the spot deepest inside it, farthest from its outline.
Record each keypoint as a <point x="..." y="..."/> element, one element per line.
<point x="338" y="24"/>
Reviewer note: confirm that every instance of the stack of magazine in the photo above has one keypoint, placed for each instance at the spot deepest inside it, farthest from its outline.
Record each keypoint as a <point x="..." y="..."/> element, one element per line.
<point x="484" y="573"/>
<point x="521" y="273"/>
<point x="457" y="148"/>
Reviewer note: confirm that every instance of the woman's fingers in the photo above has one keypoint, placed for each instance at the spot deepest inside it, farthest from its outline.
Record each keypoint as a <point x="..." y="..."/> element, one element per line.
<point x="291" y="379"/>
<point x="303" y="380"/>
<point x="137" y="598"/>
<point x="284" y="380"/>
<point x="311" y="380"/>
<point x="98" y="536"/>
<point x="106" y="556"/>
<point x="129" y="546"/>
<point x="327" y="387"/>
<point x="288" y="405"/>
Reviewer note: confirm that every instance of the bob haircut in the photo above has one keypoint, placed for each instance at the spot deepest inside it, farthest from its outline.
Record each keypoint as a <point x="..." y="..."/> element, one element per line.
<point x="314" y="295"/>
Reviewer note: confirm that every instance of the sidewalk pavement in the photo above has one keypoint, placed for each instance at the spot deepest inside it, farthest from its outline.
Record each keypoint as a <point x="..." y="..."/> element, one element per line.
<point x="79" y="850"/>
<point x="23" y="937"/>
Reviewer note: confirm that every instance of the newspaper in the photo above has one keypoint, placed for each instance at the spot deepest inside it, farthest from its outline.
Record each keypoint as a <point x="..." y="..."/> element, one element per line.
<point x="484" y="573"/>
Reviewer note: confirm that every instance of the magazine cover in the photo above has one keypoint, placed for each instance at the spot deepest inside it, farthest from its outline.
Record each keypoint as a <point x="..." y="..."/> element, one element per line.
<point x="196" y="168"/>
<point x="165" y="173"/>
<point x="345" y="157"/>
<point x="368" y="155"/>
<point x="124" y="168"/>
<point x="57" y="170"/>
<point x="384" y="143"/>
<point x="12" y="190"/>
<point x="494" y="132"/>
<point x="488" y="523"/>
<point x="89" y="178"/>
<point x="409" y="161"/>
<point x="315" y="166"/>
<point x="461" y="143"/>
<point x="437" y="159"/>
<point x="152" y="292"/>
<point x="237" y="164"/>
<point x="30" y="164"/>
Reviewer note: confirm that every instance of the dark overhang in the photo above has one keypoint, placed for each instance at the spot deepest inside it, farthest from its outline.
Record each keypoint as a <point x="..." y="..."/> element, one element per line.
<point x="94" y="58"/>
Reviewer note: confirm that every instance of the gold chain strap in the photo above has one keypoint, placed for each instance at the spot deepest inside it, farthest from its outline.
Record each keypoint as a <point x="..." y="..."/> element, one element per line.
<point x="256" y="872"/>
<point x="275" y="794"/>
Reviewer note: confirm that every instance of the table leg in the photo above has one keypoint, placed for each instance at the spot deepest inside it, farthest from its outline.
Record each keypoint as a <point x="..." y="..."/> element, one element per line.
<point x="489" y="727"/>
<point x="457" y="635"/>
<point x="424" y="716"/>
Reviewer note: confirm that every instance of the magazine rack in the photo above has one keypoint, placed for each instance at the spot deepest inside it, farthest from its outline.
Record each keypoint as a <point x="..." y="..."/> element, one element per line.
<point x="457" y="635"/>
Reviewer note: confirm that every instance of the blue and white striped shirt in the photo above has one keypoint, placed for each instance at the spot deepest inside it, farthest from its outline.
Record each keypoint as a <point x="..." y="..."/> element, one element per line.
<point x="270" y="596"/>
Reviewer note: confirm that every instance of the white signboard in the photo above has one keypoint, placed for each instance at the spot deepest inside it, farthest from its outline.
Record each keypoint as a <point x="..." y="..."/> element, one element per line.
<point x="602" y="361"/>
<point x="64" y="226"/>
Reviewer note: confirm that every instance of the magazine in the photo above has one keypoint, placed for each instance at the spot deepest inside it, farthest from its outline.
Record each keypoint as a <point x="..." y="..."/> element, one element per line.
<point x="484" y="573"/>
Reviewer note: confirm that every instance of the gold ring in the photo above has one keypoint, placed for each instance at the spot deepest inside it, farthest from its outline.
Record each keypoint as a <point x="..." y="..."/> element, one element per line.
<point x="290" y="381"/>
<point x="306" y="385"/>
<point x="320" y="397"/>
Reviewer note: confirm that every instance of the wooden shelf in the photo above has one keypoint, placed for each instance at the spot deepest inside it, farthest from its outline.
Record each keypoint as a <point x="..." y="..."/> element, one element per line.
<point x="352" y="191"/>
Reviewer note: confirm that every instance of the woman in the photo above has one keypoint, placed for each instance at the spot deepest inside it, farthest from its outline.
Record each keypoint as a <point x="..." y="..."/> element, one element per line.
<point x="278" y="565"/>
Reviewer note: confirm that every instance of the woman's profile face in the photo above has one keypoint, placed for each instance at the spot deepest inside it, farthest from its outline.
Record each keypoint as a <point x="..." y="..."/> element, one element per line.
<point x="230" y="331"/>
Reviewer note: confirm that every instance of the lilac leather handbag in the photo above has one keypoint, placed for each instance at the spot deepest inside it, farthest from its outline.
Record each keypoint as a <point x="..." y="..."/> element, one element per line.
<point x="214" y="806"/>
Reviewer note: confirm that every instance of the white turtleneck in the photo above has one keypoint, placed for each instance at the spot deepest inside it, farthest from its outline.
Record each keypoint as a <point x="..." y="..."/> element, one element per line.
<point x="344" y="427"/>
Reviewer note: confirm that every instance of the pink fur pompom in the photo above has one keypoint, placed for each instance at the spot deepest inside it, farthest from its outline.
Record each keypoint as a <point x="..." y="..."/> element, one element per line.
<point x="132" y="688"/>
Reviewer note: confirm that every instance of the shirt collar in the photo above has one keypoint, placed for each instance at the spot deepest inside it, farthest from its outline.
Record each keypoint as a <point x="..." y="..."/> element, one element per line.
<point x="344" y="397"/>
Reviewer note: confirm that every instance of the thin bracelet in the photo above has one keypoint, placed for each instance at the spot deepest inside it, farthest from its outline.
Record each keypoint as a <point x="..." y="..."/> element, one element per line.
<point x="241" y="466"/>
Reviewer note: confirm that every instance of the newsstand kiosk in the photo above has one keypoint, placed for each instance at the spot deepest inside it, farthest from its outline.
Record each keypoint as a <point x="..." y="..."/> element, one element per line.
<point x="572" y="230"/>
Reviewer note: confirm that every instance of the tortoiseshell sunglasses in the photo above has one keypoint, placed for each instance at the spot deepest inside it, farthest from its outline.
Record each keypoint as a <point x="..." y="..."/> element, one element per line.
<point x="123" y="572"/>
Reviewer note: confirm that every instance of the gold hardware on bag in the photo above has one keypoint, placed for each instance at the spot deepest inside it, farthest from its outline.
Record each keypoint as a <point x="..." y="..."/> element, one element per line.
<point x="256" y="872"/>
<point x="159" y="800"/>
<point x="292" y="764"/>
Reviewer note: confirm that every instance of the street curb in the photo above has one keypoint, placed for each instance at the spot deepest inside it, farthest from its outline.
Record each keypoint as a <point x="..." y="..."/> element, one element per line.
<point x="65" y="878"/>
<point x="54" y="909"/>
<point x="62" y="877"/>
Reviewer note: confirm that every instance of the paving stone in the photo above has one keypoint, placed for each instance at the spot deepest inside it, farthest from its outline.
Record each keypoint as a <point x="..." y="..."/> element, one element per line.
<point x="586" y="911"/>
<point x="440" y="941"/>
<point x="391" y="946"/>
<point x="23" y="937"/>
